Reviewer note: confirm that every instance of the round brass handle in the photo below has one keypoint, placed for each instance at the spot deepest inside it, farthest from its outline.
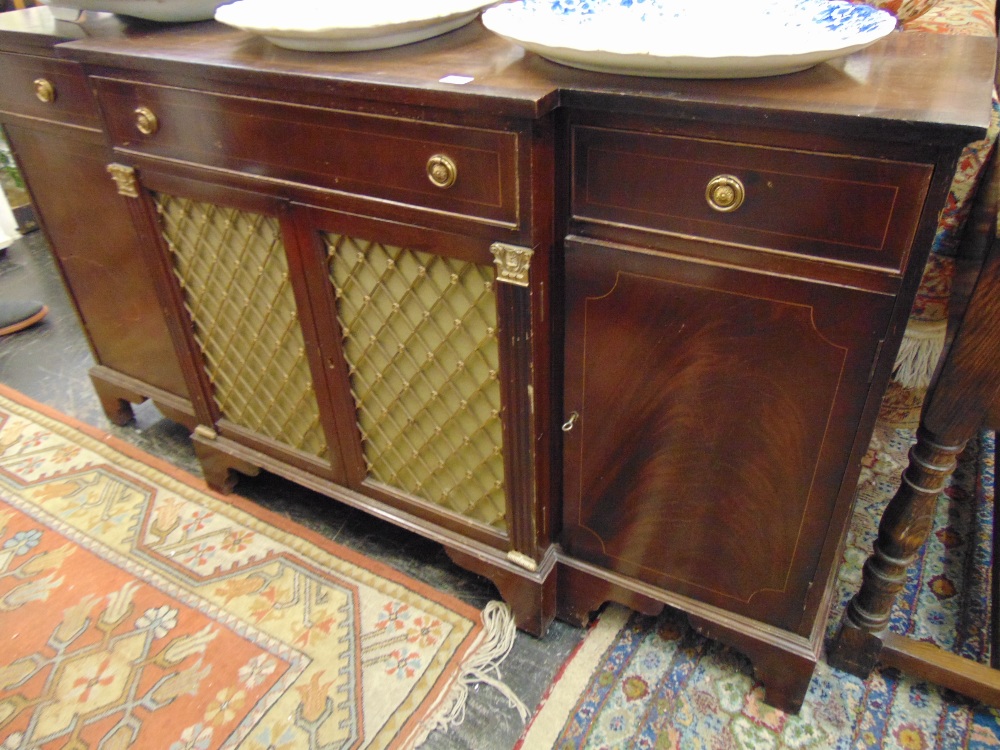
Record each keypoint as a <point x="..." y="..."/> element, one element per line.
<point x="146" y="121"/>
<point x="725" y="193"/>
<point x="442" y="171"/>
<point x="44" y="90"/>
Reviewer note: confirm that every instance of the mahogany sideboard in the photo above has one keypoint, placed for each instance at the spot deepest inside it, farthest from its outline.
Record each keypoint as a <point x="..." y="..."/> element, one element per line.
<point x="603" y="338"/>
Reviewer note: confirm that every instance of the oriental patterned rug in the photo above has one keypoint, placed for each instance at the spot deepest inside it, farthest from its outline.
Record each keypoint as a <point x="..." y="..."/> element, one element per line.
<point x="642" y="682"/>
<point x="139" y="610"/>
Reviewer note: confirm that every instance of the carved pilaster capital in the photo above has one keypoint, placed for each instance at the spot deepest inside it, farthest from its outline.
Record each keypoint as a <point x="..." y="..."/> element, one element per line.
<point x="512" y="262"/>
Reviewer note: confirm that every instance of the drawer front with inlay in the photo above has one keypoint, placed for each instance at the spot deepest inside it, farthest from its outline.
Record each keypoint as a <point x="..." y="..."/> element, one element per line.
<point x="444" y="168"/>
<point x="848" y="209"/>
<point x="46" y="89"/>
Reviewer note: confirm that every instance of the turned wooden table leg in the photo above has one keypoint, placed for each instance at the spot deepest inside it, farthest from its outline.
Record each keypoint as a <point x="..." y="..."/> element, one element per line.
<point x="904" y="528"/>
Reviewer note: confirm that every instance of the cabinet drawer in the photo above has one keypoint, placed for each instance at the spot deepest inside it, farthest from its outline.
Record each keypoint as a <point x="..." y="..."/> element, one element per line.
<point x="369" y="155"/>
<point x="848" y="209"/>
<point x="48" y="89"/>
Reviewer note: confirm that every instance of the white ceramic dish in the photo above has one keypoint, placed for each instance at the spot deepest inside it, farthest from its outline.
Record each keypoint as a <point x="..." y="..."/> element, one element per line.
<point x="168" y="11"/>
<point x="348" y="25"/>
<point x="690" y="38"/>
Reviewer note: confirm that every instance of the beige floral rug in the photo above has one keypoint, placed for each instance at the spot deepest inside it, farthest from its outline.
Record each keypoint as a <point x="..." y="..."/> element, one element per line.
<point x="138" y="609"/>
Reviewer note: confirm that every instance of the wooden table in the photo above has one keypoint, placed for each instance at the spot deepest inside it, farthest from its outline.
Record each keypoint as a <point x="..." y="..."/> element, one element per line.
<point x="963" y="398"/>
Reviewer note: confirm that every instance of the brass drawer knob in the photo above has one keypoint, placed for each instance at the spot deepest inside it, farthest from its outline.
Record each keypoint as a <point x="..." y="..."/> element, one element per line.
<point x="146" y="121"/>
<point x="44" y="90"/>
<point x="725" y="193"/>
<point x="441" y="171"/>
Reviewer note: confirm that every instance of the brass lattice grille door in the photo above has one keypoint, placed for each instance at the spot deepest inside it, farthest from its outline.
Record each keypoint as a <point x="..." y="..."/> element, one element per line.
<point x="232" y="268"/>
<point x="420" y="338"/>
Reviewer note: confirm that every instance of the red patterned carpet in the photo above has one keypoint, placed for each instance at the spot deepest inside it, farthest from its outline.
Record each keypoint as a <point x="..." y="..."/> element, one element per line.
<point x="138" y="609"/>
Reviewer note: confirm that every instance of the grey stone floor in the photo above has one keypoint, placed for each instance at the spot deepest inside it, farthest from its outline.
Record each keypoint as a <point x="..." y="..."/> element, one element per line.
<point x="49" y="363"/>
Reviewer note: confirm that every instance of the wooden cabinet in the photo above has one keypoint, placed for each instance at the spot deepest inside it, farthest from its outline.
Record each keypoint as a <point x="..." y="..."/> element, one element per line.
<point x="52" y="123"/>
<point x="356" y="304"/>
<point x="732" y="303"/>
<point x="705" y="387"/>
<point x="394" y="289"/>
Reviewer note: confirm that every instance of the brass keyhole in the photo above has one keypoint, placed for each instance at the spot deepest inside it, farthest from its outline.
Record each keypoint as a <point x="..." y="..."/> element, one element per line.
<point x="725" y="193"/>
<point x="44" y="90"/>
<point x="441" y="171"/>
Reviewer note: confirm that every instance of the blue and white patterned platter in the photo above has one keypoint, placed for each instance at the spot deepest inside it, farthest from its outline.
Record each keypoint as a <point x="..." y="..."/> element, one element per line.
<point x="690" y="38"/>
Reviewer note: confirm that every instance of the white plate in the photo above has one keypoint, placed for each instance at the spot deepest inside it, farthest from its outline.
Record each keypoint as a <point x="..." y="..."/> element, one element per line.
<point x="171" y="11"/>
<point x="348" y="25"/>
<point x="690" y="38"/>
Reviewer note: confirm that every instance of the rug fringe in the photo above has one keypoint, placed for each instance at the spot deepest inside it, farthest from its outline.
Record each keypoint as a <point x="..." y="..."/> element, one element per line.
<point x="482" y="667"/>
<point x="919" y="353"/>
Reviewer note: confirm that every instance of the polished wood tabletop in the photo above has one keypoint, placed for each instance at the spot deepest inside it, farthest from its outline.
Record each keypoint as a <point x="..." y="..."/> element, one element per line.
<point x="911" y="85"/>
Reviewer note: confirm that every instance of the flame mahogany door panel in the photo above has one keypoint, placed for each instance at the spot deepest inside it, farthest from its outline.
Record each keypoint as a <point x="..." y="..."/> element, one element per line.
<point x="96" y="248"/>
<point x="717" y="411"/>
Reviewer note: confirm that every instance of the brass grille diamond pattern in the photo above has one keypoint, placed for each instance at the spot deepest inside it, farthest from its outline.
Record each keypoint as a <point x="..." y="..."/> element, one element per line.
<point x="231" y="265"/>
<point x="421" y="344"/>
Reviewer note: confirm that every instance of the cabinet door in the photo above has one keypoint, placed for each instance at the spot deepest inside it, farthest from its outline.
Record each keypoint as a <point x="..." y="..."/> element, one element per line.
<point x="717" y="411"/>
<point x="97" y="249"/>
<point x="236" y="286"/>
<point x="411" y="324"/>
